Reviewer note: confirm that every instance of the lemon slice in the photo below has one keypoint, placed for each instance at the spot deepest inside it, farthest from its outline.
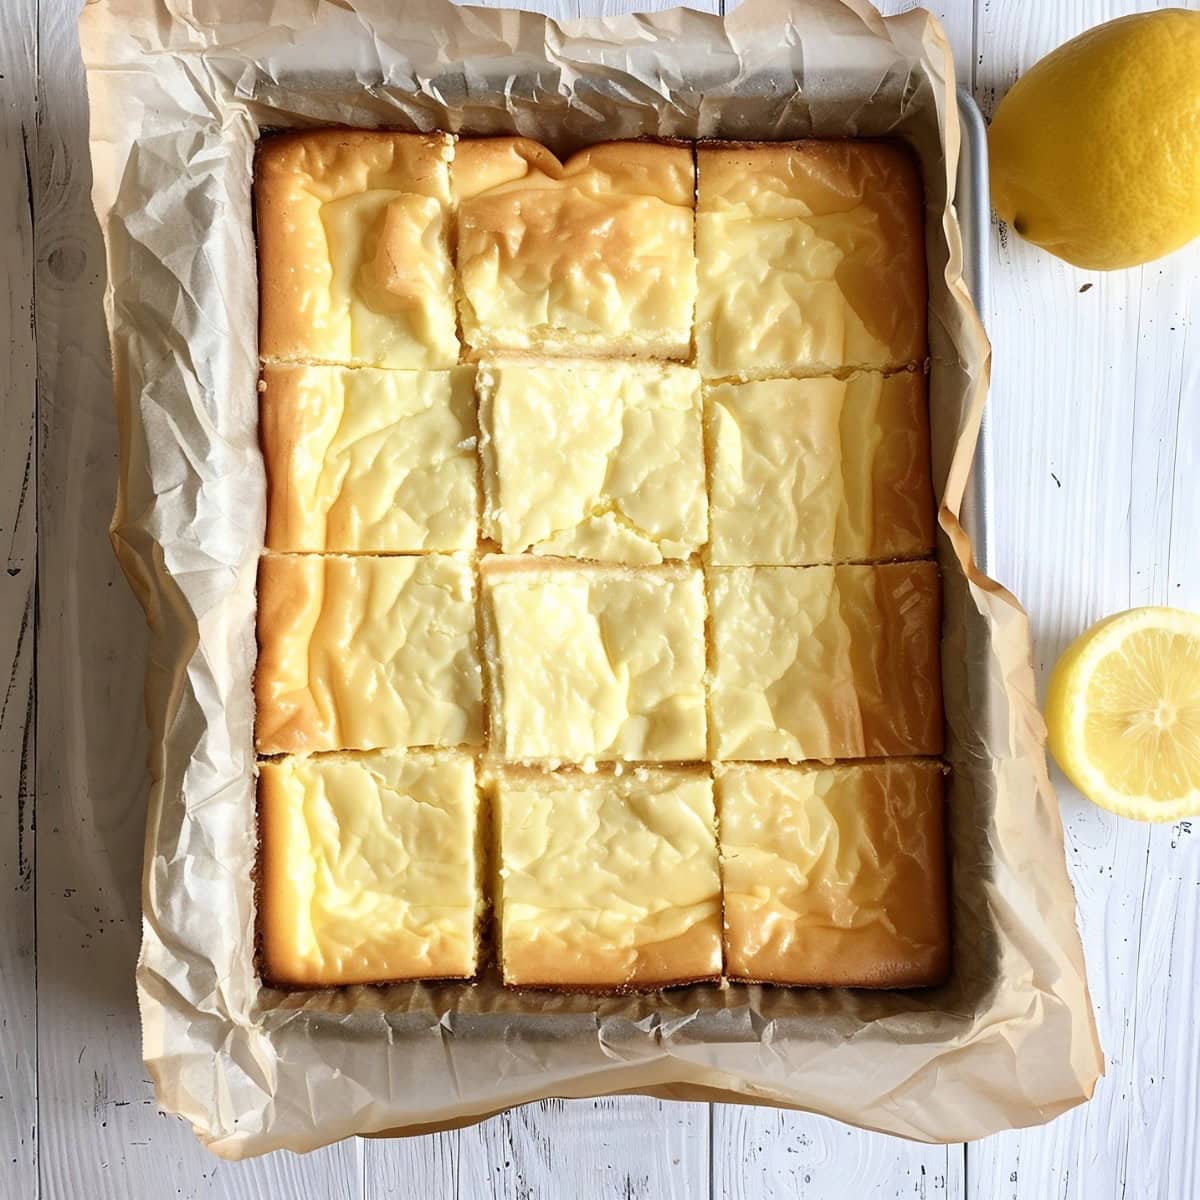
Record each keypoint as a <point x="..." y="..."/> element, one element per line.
<point x="1123" y="713"/>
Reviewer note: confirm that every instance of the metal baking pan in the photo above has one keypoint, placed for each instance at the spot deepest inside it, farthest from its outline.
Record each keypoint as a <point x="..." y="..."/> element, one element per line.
<point x="563" y="1020"/>
<point x="972" y="204"/>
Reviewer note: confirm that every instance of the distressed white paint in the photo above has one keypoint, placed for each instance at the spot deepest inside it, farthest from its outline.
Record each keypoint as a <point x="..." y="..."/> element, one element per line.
<point x="18" y="517"/>
<point x="1096" y="421"/>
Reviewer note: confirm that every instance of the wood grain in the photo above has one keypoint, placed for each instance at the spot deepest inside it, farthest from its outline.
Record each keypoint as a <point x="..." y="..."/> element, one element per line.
<point x="768" y="1154"/>
<point x="18" y="601"/>
<point x="1093" y="413"/>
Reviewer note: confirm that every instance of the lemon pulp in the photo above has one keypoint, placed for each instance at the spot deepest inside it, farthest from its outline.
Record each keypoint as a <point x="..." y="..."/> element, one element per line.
<point x="1123" y="713"/>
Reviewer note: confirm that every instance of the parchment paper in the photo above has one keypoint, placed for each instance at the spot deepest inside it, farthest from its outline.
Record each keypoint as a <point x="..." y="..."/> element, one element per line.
<point x="179" y="92"/>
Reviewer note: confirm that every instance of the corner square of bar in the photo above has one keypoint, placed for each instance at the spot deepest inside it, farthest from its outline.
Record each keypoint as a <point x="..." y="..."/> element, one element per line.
<point x="835" y="876"/>
<point x="811" y="258"/>
<point x="593" y="459"/>
<point x="594" y="662"/>
<point x="361" y="653"/>
<point x="607" y="882"/>
<point x="369" y="461"/>
<point x="809" y="471"/>
<point x="353" y="249"/>
<point x="593" y="255"/>
<point x="826" y="662"/>
<point x="368" y="868"/>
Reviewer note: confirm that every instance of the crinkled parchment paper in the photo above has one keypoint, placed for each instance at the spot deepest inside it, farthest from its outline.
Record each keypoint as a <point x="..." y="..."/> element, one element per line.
<point x="179" y="92"/>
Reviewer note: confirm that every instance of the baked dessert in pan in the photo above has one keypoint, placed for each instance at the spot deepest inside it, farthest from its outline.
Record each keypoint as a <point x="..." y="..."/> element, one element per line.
<point x="811" y="258"/>
<point x="353" y="249"/>
<point x="369" y="461"/>
<point x="361" y="653"/>
<point x="595" y="459"/>
<point x="593" y="255"/>
<point x="369" y="868"/>
<point x="607" y="882"/>
<point x="834" y="876"/>
<point x="594" y="662"/>
<point x="592" y="481"/>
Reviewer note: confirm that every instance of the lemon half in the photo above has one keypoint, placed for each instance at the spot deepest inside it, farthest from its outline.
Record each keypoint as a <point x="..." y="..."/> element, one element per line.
<point x="1123" y="713"/>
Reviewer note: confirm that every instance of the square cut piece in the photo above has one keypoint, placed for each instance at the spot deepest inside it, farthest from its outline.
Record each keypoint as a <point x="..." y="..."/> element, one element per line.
<point x="368" y="868"/>
<point x="353" y="258"/>
<point x="820" y="470"/>
<point x="361" y="653"/>
<point x="368" y="461"/>
<point x="591" y="459"/>
<point x="607" y="883"/>
<point x="593" y="255"/>
<point x="811" y="258"/>
<point x="826" y="662"/>
<point x="835" y="876"/>
<point x="594" y="662"/>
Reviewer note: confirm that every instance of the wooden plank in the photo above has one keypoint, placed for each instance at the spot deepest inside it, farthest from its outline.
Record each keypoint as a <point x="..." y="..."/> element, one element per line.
<point x="101" y="1133"/>
<point x="612" y="1148"/>
<point x="1096" y="436"/>
<point x="402" y="1168"/>
<point x="770" y="1154"/>
<point x="18" y="600"/>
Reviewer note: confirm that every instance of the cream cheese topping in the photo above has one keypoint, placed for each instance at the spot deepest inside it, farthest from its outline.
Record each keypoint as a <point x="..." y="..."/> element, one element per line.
<point x="608" y="882"/>
<point x="369" y="868"/>
<point x="600" y="460"/>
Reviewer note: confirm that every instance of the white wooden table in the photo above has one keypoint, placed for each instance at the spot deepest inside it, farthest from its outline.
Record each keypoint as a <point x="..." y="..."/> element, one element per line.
<point x="1095" y="415"/>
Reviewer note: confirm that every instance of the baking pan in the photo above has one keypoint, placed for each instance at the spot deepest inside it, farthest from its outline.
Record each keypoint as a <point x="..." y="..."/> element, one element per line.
<point x="1009" y="1041"/>
<point x="972" y="203"/>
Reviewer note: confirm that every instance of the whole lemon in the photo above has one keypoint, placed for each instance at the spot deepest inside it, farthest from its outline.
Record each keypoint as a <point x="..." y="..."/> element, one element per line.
<point x="1095" y="151"/>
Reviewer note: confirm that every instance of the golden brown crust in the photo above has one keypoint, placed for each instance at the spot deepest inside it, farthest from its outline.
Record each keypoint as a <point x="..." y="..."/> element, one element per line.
<point x="360" y="460"/>
<point x="835" y="877"/>
<point x="591" y="256"/>
<point x="370" y="287"/>
<point x="289" y="607"/>
<point x="272" y="852"/>
<point x="902" y="480"/>
<point x="643" y="167"/>
<point x="368" y="872"/>
<point x="825" y="662"/>
<point x="896" y="656"/>
<point x="812" y="258"/>
<point x="351" y="657"/>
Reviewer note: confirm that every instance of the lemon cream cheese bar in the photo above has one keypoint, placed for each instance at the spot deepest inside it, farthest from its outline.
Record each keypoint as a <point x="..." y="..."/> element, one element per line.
<point x="593" y="255"/>
<point x="834" y="876"/>
<point x="593" y="459"/>
<point x="826" y="662"/>
<point x="353" y="250"/>
<point x="606" y="882"/>
<point x="367" y="460"/>
<point x="368" y="868"/>
<point x="820" y="470"/>
<point x="594" y="662"/>
<point x="811" y="258"/>
<point x="358" y="653"/>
